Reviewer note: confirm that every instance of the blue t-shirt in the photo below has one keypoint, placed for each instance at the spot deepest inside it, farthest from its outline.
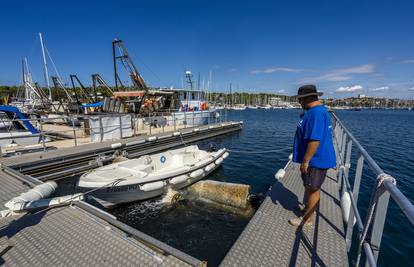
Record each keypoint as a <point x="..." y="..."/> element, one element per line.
<point x="315" y="125"/>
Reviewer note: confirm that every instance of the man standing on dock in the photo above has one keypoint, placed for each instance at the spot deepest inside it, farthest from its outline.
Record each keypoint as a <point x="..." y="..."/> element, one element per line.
<point x="313" y="149"/>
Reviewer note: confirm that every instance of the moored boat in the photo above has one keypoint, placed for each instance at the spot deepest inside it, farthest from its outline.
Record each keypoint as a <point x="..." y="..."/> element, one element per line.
<point x="151" y="175"/>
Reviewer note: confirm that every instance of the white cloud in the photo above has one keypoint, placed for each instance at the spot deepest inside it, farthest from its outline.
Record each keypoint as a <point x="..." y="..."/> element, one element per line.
<point x="343" y="74"/>
<point x="281" y="91"/>
<point x="382" y="88"/>
<point x="411" y="89"/>
<point x="276" y="69"/>
<point x="408" y="61"/>
<point x="349" y="89"/>
<point x="233" y="70"/>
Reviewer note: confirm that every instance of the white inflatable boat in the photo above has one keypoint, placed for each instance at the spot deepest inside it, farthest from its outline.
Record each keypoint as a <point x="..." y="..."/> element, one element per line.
<point x="150" y="176"/>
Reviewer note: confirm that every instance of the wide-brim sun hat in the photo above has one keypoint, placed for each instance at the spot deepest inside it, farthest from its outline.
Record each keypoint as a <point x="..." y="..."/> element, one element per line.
<point x="308" y="90"/>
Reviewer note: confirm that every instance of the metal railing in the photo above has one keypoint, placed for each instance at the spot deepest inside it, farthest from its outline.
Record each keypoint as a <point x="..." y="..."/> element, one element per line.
<point x="371" y="229"/>
<point x="135" y="125"/>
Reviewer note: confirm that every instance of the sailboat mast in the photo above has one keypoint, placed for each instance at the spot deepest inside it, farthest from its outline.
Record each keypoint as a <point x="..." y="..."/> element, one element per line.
<point x="45" y="72"/>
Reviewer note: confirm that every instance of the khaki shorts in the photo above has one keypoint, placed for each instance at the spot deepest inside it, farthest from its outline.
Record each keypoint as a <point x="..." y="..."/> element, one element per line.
<point x="314" y="178"/>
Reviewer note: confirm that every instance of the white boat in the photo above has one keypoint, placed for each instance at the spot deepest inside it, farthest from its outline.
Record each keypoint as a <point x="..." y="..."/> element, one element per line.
<point x="151" y="175"/>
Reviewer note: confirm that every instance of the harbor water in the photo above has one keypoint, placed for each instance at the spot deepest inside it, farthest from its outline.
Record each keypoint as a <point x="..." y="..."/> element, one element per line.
<point x="257" y="152"/>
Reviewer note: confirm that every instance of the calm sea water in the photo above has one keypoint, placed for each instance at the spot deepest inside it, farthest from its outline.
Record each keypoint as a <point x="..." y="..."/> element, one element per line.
<point x="207" y="233"/>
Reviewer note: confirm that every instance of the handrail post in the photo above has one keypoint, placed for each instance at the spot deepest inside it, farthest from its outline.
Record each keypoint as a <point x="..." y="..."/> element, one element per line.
<point x="42" y="134"/>
<point x="379" y="221"/>
<point x="74" y="131"/>
<point x="175" y="126"/>
<point x="120" y="125"/>
<point x="355" y="193"/>
<point x="341" y="159"/>
<point x="347" y="162"/>
<point x="101" y="128"/>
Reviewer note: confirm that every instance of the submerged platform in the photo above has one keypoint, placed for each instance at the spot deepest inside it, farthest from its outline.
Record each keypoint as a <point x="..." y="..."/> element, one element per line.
<point x="269" y="239"/>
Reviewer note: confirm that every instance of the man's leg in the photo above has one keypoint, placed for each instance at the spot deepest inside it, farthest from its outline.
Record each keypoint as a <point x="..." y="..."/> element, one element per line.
<point x="311" y="205"/>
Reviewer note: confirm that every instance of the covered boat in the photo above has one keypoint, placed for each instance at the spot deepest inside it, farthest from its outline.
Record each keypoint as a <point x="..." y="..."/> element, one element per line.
<point x="151" y="175"/>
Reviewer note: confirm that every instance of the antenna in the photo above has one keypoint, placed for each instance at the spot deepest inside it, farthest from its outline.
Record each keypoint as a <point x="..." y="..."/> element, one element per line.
<point x="45" y="72"/>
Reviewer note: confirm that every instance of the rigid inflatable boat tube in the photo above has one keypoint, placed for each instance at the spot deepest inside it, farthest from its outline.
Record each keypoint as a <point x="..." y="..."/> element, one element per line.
<point x="179" y="179"/>
<point x="196" y="174"/>
<point x="225" y="155"/>
<point x="152" y="138"/>
<point x="152" y="186"/>
<point x="219" y="161"/>
<point x="209" y="167"/>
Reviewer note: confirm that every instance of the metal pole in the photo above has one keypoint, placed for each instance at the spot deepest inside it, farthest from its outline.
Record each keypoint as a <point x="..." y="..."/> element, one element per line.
<point x="42" y="135"/>
<point x="378" y="222"/>
<point x="347" y="162"/>
<point x="175" y="127"/>
<point x="101" y="128"/>
<point x="74" y="131"/>
<point x="185" y="119"/>
<point x="120" y="126"/>
<point x="355" y="193"/>
<point x="134" y="119"/>
<point x="163" y="124"/>
<point x="149" y="122"/>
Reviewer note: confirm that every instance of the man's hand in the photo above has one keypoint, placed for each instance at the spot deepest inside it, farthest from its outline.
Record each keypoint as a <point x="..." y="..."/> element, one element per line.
<point x="304" y="167"/>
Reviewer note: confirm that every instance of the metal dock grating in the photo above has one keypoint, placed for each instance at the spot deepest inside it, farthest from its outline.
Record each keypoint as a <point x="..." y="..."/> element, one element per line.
<point x="70" y="236"/>
<point x="269" y="239"/>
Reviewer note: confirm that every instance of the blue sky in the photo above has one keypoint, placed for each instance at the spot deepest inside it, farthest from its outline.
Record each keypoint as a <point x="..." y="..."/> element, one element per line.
<point x="345" y="47"/>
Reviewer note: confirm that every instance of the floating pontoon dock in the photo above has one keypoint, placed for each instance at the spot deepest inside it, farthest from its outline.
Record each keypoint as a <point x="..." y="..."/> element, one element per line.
<point x="83" y="235"/>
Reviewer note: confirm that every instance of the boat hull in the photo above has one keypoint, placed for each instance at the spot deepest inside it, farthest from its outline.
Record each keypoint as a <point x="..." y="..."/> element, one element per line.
<point x="119" y="194"/>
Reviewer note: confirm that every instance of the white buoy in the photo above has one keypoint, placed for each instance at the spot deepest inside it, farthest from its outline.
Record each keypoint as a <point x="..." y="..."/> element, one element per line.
<point x="209" y="167"/>
<point x="346" y="207"/>
<point x="179" y="179"/>
<point x="152" y="138"/>
<point x="116" y="145"/>
<point x="225" y="155"/>
<point x="280" y="174"/>
<point x="197" y="173"/>
<point x="219" y="161"/>
<point x="152" y="186"/>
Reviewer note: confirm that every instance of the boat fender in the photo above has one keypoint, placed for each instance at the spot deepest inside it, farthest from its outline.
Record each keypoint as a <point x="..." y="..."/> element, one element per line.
<point x="152" y="138"/>
<point x="176" y="134"/>
<point x="196" y="174"/>
<point x="346" y="207"/>
<point x="209" y="167"/>
<point x="152" y="186"/>
<point x="179" y="179"/>
<point x="241" y="122"/>
<point x="116" y="145"/>
<point x="222" y="125"/>
<point x="196" y="130"/>
<point x="211" y="127"/>
<point x="219" y="161"/>
<point x="280" y="174"/>
<point x="291" y="156"/>
<point x="225" y="155"/>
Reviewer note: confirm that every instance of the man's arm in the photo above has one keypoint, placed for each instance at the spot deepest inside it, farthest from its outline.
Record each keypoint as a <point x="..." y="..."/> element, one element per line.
<point x="310" y="151"/>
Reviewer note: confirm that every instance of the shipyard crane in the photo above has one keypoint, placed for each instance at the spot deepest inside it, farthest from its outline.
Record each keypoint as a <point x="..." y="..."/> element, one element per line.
<point x="120" y="53"/>
<point x="83" y="92"/>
